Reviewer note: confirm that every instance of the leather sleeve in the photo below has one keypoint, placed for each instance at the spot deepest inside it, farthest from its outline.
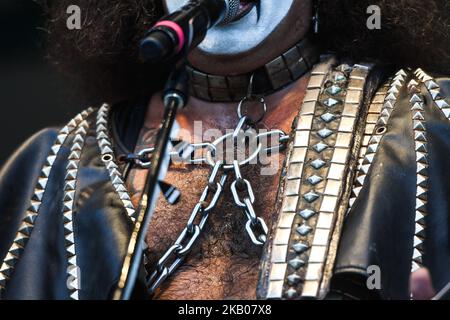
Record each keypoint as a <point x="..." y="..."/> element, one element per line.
<point x="381" y="227"/>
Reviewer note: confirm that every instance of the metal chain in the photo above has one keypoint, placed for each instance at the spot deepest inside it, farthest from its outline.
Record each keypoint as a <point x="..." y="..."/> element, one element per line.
<point x="195" y="225"/>
<point x="241" y="189"/>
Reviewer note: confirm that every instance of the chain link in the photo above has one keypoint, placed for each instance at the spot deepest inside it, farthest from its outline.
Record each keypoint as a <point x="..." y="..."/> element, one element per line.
<point x="195" y="225"/>
<point x="255" y="226"/>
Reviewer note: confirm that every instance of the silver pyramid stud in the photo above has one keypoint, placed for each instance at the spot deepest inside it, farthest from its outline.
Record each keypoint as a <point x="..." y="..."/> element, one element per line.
<point x="74" y="155"/>
<point x="372" y="148"/>
<point x="421" y="193"/>
<point x="413" y="83"/>
<point x="435" y="94"/>
<point x="368" y="159"/>
<point x="415" y="98"/>
<point x="107" y="150"/>
<point x="61" y="138"/>
<point x="420" y="205"/>
<point x="328" y="117"/>
<point x="421" y="157"/>
<point x="42" y="183"/>
<point x="418" y="116"/>
<point x="65" y="130"/>
<point x="330" y="102"/>
<point x="431" y="85"/>
<point x="385" y="113"/>
<point x="78" y="139"/>
<point x="375" y="139"/>
<point x="420" y="218"/>
<point x="382" y="121"/>
<point x="365" y="168"/>
<point x="74" y="295"/>
<point x="421" y="180"/>
<point x="397" y="83"/>
<point x="56" y="148"/>
<point x="401" y="72"/>
<point x="304" y="230"/>
<point x="418" y="243"/>
<point x="34" y="206"/>
<point x="356" y="191"/>
<point x="300" y="247"/>
<point x="313" y="180"/>
<point x="388" y="105"/>
<point x="441" y="103"/>
<point x="419" y="230"/>
<point x="391" y="97"/>
<point x="417" y="107"/>
<point x="422" y="169"/>
<point x="393" y="89"/>
<point x="420" y="136"/>
<point x="360" y="180"/>
<point x="325" y="133"/>
<point x="117" y="180"/>
<point x="318" y="164"/>
<point x="46" y="171"/>
<point x="414" y="267"/>
<point x="102" y="135"/>
<point x="418" y="125"/>
<point x="420" y="146"/>
<point x="38" y="195"/>
<point x="446" y="112"/>
<point x="293" y="279"/>
<point x="320" y="147"/>
<point x="72" y="124"/>
<point x="296" y="263"/>
<point x="50" y="160"/>
<point x="311" y="196"/>
<point x="101" y="127"/>
<point x="307" y="213"/>
<point x="417" y="256"/>
<point x="334" y="90"/>
<point x="78" y="118"/>
<point x="291" y="293"/>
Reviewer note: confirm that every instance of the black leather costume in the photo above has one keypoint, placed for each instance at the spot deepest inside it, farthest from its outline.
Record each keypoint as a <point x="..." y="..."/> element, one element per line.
<point x="63" y="197"/>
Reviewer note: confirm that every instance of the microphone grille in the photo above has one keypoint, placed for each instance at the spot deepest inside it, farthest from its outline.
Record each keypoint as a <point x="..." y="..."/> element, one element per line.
<point x="232" y="9"/>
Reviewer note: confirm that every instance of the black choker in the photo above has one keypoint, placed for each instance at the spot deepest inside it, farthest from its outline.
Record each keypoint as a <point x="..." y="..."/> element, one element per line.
<point x="273" y="76"/>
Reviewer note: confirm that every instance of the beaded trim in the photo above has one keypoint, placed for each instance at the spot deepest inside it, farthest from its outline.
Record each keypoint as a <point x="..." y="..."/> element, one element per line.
<point x="316" y="169"/>
<point x="70" y="185"/>
<point x="28" y="223"/>
<point x="108" y="158"/>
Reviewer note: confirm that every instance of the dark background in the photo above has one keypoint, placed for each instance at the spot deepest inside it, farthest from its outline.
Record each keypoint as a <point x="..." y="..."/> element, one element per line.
<point x="33" y="95"/>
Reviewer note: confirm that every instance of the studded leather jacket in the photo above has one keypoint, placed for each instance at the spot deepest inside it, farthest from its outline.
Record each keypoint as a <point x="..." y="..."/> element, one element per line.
<point x="365" y="185"/>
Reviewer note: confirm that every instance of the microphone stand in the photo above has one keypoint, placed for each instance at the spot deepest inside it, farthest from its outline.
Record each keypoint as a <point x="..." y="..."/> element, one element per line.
<point x="175" y="97"/>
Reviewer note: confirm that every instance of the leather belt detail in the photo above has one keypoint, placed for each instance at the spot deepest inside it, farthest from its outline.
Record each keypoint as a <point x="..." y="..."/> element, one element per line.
<point x="278" y="73"/>
<point x="310" y="218"/>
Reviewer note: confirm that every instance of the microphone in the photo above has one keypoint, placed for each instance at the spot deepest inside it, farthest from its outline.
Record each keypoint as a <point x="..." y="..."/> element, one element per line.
<point x="184" y="29"/>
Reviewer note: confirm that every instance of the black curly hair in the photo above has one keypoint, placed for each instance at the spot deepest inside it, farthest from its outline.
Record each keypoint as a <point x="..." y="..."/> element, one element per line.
<point x="104" y="52"/>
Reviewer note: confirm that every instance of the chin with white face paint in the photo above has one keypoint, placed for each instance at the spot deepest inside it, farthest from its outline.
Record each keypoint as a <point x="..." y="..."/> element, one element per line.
<point x="262" y="30"/>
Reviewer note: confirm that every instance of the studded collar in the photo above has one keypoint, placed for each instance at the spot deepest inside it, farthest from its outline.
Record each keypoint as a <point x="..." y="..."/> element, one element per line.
<point x="276" y="74"/>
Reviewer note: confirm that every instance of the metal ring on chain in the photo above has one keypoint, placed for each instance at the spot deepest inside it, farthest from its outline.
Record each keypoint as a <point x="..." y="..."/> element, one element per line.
<point x="263" y="104"/>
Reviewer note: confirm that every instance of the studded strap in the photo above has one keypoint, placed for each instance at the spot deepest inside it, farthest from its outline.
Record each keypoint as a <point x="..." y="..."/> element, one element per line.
<point x="316" y="171"/>
<point x="69" y="203"/>
<point x="276" y="74"/>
